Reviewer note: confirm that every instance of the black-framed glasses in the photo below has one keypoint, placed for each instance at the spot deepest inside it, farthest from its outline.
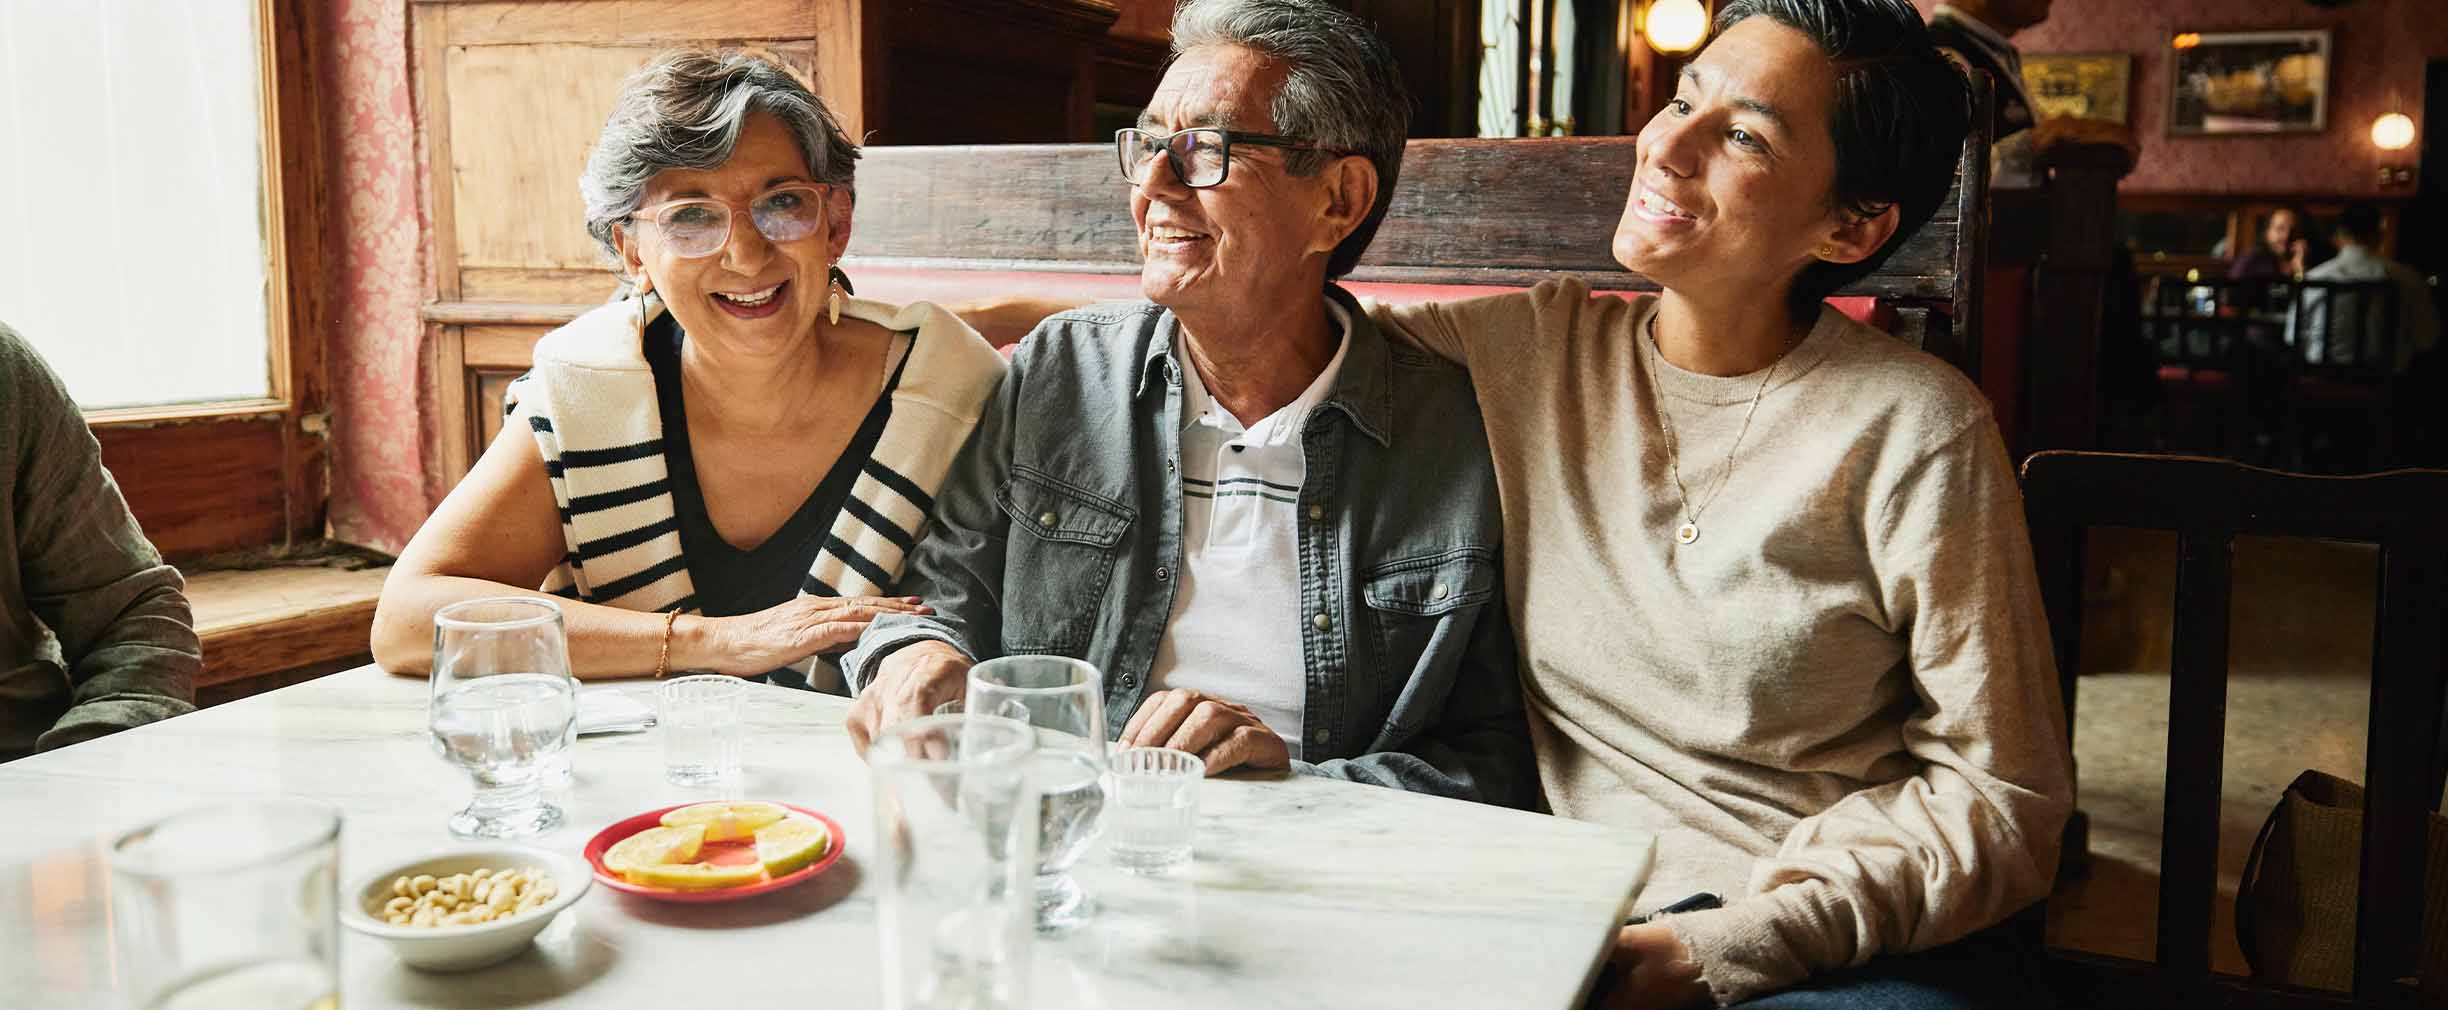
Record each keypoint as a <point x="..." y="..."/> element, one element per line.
<point x="1200" y="156"/>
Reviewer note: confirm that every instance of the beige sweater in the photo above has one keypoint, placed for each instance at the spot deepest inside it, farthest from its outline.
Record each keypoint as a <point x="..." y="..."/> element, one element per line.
<point x="1837" y="707"/>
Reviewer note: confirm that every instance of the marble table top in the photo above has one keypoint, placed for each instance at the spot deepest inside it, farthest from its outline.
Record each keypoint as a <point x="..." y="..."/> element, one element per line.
<point x="1303" y="892"/>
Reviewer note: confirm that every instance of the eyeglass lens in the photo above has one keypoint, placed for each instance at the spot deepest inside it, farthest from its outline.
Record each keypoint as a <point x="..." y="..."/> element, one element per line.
<point x="701" y="227"/>
<point x="1198" y="156"/>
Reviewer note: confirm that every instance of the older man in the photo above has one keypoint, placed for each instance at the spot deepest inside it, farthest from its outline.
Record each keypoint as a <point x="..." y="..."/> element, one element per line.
<point x="95" y="635"/>
<point x="1274" y="531"/>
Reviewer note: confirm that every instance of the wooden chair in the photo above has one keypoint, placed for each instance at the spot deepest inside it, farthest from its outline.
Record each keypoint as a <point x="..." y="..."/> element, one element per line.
<point x="2219" y="346"/>
<point x="2208" y="503"/>
<point x="2342" y="337"/>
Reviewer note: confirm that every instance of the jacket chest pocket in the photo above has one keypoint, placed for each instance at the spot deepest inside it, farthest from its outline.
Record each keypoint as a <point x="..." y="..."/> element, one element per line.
<point x="1063" y="547"/>
<point x="1411" y="603"/>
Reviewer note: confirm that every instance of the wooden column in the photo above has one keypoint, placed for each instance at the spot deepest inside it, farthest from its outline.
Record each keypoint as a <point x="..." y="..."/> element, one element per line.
<point x="2061" y="406"/>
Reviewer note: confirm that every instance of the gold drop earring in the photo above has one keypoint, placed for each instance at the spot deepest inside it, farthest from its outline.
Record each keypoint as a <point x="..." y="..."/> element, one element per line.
<point x="833" y="300"/>
<point x="645" y="286"/>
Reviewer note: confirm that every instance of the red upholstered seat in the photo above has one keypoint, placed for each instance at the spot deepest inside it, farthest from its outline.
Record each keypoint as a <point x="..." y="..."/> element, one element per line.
<point x="2206" y="380"/>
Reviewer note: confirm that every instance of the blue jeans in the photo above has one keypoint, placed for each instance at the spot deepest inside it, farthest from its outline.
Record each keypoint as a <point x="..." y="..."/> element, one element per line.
<point x="1989" y="970"/>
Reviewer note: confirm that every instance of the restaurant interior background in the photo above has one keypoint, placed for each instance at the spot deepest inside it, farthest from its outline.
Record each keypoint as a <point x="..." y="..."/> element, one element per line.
<point x="416" y="157"/>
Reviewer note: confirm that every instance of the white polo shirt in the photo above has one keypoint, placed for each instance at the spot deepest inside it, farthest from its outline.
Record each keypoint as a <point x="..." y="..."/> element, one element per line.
<point x="1235" y="628"/>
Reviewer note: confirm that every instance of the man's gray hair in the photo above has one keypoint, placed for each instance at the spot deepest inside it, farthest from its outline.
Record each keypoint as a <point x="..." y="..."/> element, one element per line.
<point x="685" y="110"/>
<point x="1343" y="89"/>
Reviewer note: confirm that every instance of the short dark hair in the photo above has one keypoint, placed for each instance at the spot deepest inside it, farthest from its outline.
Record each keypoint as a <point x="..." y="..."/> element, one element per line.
<point x="2360" y="222"/>
<point x="1901" y="112"/>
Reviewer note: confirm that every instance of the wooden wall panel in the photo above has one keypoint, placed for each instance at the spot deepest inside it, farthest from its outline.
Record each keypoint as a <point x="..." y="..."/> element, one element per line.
<point x="523" y="120"/>
<point x="640" y="22"/>
<point x="202" y="488"/>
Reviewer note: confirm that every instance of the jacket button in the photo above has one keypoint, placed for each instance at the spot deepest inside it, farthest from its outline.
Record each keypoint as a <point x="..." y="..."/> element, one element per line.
<point x="1317" y="512"/>
<point x="1047" y="519"/>
<point x="1164" y="574"/>
<point x="1439" y="592"/>
<point x="1317" y="736"/>
<point x="1322" y="622"/>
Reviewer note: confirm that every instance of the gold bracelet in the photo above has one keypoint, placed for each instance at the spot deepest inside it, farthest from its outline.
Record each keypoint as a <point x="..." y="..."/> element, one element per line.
<point x="663" y="655"/>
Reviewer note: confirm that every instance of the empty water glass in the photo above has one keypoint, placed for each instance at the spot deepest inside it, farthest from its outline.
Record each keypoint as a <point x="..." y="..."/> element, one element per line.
<point x="1155" y="808"/>
<point x="700" y="719"/>
<point x="229" y="907"/>
<point x="960" y="848"/>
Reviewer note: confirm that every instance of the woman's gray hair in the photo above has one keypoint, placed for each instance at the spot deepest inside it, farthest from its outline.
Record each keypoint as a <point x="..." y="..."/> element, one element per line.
<point x="685" y="110"/>
<point x="1342" y="90"/>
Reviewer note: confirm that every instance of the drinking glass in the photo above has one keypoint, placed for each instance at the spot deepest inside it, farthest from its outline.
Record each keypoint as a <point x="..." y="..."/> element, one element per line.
<point x="1155" y="808"/>
<point x="503" y="704"/>
<point x="700" y="720"/>
<point x="959" y="851"/>
<point x="230" y="906"/>
<point x="1065" y="702"/>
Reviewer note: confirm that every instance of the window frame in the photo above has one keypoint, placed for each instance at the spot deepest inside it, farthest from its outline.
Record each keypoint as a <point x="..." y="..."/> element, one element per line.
<point x="220" y="476"/>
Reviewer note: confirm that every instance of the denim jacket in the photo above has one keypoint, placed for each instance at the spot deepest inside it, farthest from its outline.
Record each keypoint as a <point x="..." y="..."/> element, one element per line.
<point x="1059" y="530"/>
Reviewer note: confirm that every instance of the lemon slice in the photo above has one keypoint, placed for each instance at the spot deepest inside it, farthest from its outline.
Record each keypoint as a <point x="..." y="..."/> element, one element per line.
<point x="790" y="844"/>
<point x="728" y="821"/>
<point x="655" y="846"/>
<point x="696" y="876"/>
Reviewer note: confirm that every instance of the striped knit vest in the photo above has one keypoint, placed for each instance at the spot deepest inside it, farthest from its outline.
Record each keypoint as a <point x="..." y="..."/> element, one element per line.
<point x="590" y="401"/>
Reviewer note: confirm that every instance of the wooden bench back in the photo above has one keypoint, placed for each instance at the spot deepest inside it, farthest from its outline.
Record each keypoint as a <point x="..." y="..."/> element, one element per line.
<point x="1503" y="213"/>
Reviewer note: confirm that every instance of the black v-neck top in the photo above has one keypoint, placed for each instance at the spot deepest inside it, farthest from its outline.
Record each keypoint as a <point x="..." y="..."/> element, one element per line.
<point x="730" y="581"/>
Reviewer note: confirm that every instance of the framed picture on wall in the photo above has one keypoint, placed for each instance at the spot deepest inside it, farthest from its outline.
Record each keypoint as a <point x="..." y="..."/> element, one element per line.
<point x="2224" y="83"/>
<point x="2079" y="85"/>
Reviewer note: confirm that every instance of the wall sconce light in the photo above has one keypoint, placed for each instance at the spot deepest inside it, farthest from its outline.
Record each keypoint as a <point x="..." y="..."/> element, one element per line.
<point x="2393" y="132"/>
<point x="1675" y="26"/>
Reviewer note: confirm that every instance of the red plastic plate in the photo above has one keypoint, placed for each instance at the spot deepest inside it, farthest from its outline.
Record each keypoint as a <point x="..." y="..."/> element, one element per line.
<point x="613" y="835"/>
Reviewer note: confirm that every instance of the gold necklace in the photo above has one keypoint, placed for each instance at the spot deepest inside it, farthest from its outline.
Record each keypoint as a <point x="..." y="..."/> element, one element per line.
<point x="1690" y="530"/>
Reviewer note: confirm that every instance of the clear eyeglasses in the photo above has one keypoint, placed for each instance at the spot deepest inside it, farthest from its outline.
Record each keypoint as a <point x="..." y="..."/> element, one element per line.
<point x="701" y="225"/>
<point x="1200" y="156"/>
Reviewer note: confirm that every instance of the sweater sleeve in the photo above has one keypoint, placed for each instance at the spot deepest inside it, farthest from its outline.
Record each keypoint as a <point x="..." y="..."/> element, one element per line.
<point x="1972" y="836"/>
<point x="90" y="576"/>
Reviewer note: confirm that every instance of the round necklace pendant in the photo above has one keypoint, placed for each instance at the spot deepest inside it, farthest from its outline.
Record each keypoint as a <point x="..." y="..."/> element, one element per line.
<point x="1687" y="533"/>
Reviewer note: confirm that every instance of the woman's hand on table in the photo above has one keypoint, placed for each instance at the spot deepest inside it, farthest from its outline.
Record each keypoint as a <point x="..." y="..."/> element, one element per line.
<point x="910" y="682"/>
<point x="1653" y="972"/>
<point x="1224" y="735"/>
<point x="750" y="644"/>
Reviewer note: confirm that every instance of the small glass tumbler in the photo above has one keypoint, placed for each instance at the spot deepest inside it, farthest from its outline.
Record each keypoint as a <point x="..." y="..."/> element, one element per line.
<point x="1155" y="808"/>
<point x="700" y="719"/>
<point x="957" y="856"/>
<point x="230" y="906"/>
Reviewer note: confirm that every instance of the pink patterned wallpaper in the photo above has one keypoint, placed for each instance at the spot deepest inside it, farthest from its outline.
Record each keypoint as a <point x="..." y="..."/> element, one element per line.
<point x="2377" y="55"/>
<point x="381" y="490"/>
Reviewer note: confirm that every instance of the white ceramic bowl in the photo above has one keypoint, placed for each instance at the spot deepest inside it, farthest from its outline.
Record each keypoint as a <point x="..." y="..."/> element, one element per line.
<point x="464" y="948"/>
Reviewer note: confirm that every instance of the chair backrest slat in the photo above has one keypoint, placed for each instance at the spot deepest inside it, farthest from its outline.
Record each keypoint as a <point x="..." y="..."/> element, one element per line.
<point x="2399" y="792"/>
<point x="2197" y="738"/>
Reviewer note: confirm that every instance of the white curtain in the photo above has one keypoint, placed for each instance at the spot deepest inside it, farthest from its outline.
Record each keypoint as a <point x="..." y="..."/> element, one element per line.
<point x="1500" y="55"/>
<point x="131" y="197"/>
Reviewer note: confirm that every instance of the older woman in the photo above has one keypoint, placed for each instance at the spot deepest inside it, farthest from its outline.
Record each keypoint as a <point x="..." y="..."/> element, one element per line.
<point x="1767" y="565"/>
<point x="719" y="470"/>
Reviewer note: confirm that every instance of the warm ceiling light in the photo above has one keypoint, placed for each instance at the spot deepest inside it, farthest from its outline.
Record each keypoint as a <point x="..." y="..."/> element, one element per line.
<point x="1675" y="26"/>
<point x="2186" y="41"/>
<point x="2393" y="132"/>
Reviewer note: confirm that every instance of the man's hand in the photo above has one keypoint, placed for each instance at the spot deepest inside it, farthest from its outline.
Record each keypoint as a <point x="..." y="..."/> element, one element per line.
<point x="1223" y="734"/>
<point x="910" y="682"/>
<point x="1653" y="971"/>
